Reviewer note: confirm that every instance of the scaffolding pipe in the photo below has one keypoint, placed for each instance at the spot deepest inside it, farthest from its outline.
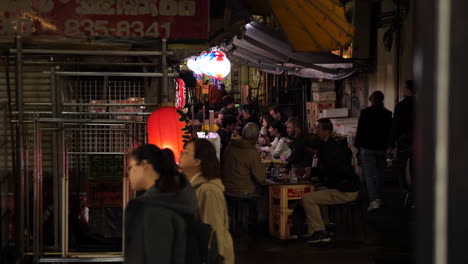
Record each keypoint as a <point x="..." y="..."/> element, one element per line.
<point x="82" y="63"/>
<point x="94" y="52"/>
<point x="110" y="104"/>
<point x="164" y="70"/>
<point x="20" y="192"/>
<point x="55" y="152"/>
<point x="115" y="74"/>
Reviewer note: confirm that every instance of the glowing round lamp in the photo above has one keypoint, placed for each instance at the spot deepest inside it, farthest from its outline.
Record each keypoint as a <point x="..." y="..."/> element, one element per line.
<point x="165" y="130"/>
<point x="218" y="66"/>
<point x="192" y="64"/>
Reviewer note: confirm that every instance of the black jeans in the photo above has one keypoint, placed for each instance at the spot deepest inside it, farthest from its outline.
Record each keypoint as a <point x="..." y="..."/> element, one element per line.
<point x="403" y="157"/>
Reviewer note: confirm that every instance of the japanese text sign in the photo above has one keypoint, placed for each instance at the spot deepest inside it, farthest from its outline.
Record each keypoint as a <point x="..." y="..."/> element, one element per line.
<point x="173" y="19"/>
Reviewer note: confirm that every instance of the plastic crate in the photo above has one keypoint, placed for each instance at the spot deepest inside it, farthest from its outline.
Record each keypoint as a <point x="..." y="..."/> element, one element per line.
<point x="104" y="193"/>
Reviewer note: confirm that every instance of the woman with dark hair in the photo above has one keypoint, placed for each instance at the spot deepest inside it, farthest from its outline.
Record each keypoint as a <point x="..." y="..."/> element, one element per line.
<point x="201" y="166"/>
<point x="279" y="146"/>
<point x="264" y="137"/>
<point x="155" y="221"/>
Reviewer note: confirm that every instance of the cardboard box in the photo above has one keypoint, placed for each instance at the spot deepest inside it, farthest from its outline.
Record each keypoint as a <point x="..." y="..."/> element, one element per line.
<point x="333" y="113"/>
<point x="345" y="126"/>
<point x="323" y="86"/>
<point x="324" y="96"/>
<point x="313" y="110"/>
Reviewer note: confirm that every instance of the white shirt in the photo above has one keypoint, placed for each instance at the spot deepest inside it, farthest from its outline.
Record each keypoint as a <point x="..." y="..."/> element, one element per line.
<point x="279" y="147"/>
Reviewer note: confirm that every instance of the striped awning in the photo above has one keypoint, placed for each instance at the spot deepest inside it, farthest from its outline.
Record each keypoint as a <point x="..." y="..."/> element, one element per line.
<point x="313" y="25"/>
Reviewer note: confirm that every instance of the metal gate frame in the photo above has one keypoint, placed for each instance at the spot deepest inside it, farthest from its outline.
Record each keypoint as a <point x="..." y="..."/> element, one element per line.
<point x="59" y="122"/>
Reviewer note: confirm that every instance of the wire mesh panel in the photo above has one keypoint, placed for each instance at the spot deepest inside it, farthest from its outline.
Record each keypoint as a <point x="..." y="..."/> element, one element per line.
<point x="97" y="155"/>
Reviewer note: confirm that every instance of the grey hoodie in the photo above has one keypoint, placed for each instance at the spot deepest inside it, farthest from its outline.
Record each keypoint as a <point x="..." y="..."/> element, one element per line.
<point x="155" y="228"/>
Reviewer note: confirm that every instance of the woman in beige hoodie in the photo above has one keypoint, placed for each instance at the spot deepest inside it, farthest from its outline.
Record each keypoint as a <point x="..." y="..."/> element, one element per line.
<point x="201" y="166"/>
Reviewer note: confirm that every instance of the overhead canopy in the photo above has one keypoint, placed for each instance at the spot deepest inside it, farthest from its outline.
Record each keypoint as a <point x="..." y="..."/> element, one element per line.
<point x="264" y="48"/>
<point x="313" y="25"/>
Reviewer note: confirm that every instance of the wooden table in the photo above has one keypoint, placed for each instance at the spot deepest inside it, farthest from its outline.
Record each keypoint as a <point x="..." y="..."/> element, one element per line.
<point x="280" y="213"/>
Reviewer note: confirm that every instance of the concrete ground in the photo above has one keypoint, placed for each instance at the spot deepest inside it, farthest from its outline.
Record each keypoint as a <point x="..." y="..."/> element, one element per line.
<point x="387" y="240"/>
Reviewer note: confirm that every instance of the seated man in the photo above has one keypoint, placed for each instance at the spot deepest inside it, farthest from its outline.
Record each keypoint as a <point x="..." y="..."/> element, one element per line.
<point x="247" y="116"/>
<point x="300" y="157"/>
<point x="218" y="121"/>
<point x="225" y="133"/>
<point x="243" y="169"/>
<point x="336" y="172"/>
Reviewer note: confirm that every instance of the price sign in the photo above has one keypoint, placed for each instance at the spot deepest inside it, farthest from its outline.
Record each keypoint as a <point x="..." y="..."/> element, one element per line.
<point x="174" y="19"/>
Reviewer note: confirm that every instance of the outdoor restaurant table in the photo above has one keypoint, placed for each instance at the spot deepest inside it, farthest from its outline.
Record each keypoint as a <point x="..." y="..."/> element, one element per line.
<point x="280" y="214"/>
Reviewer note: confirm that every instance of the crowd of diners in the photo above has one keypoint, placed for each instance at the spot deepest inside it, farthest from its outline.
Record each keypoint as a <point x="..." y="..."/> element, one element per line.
<point x="197" y="187"/>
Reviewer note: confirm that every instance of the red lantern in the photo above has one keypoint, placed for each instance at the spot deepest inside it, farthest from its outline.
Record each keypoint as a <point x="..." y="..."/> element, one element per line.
<point x="167" y="129"/>
<point x="180" y="94"/>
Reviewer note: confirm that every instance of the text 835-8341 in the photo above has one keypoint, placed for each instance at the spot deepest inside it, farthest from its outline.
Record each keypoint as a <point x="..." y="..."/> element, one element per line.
<point x="88" y="27"/>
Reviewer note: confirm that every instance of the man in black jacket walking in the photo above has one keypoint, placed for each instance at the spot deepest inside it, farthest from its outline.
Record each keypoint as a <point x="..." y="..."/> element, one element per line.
<point x="372" y="141"/>
<point x="336" y="172"/>
<point x="402" y="136"/>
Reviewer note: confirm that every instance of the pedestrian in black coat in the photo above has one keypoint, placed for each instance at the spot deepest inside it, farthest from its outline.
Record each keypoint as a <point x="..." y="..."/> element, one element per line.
<point x="155" y="222"/>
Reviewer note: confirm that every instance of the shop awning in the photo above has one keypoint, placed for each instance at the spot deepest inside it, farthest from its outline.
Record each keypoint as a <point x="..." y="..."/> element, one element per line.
<point x="313" y="25"/>
<point x="264" y="48"/>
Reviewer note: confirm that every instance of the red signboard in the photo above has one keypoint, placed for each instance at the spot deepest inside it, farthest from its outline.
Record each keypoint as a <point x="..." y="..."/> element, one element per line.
<point x="104" y="193"/>
<point x="172" y="19"/>
<point x="298" y="192"/>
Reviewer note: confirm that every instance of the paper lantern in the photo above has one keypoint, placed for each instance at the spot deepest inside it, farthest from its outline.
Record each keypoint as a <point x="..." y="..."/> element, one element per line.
<point x="180" y="94"/>
<point x="214" y="64"/>
<point x="167" y="129"/>
<point x="218" y="66"/>
<point x="192" y="64"/>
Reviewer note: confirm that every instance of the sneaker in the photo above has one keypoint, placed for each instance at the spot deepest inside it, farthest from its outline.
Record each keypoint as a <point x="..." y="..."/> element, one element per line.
<point x="320" y="236"/>
<point x="374" y="205"/>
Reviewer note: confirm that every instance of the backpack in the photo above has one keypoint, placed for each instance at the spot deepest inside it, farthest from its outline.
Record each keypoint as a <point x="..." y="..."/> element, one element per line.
<point x="202" y="243"/>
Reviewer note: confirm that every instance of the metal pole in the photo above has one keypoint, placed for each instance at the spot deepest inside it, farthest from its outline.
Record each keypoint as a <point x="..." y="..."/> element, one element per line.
<point x="93" y="52"/>
<point x="19" y="153"/>
<point x="119" y="74"/>
<point x="36" y="193"/>
<point x="55" y="152"/>
<point x="164" y="71"/>
<point x="64" y="198"/>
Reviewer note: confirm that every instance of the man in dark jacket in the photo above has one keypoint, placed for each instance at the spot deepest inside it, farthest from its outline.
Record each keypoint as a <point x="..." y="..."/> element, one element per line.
<point x="300" y="157"/>
<point x="372" y="141"/>
<point x="243" y="170"/>
<point x="225" y="133"/>
<point x="336" y="172"/>
<point x="155" y="225"/>
<point x="402" y="136"/>
<point x="248" y="116"/>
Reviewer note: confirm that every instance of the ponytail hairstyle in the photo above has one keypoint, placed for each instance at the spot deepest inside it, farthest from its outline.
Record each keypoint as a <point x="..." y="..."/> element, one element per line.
<point x="163" y="162"/>
<point x="206" y="153"/>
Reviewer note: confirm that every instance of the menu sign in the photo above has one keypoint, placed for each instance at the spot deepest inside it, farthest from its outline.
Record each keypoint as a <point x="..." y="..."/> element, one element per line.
<point x="173" y="19"/>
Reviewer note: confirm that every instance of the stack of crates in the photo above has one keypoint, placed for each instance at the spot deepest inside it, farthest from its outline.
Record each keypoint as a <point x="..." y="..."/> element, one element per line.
<point x="323" y="97"/>
<point x="282" y="200"/>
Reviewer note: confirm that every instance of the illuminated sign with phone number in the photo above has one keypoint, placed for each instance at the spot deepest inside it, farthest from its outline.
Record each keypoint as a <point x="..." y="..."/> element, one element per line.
<point x="175" y="19"/>
<point x="136" y="29"/>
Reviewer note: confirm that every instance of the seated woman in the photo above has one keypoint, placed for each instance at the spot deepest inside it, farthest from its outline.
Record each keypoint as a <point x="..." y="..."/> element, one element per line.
<point x="202" y="168"/>
<point x="279" y="146"/>
<point x="264" y="137"/>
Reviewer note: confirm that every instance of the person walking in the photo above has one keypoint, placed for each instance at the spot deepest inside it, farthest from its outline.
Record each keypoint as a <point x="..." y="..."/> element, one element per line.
<point x="155" y="225"/>
<point x="372" y="142"/>
<point x="201" y="166"/>
<point x="402" y="139"/>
